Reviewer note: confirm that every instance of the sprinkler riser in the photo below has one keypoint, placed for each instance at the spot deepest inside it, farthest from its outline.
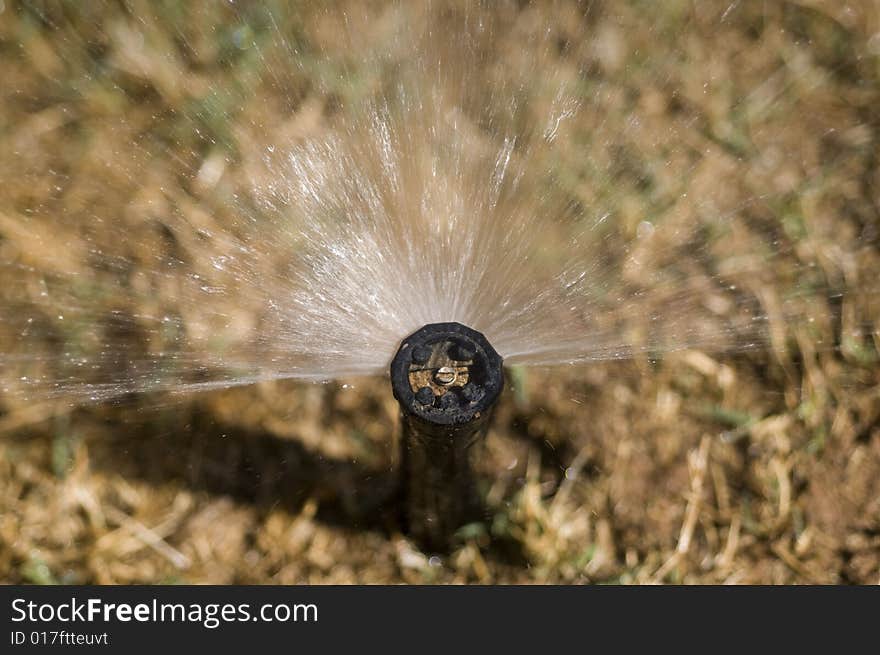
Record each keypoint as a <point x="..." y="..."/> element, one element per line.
<point x="438" y="484"/>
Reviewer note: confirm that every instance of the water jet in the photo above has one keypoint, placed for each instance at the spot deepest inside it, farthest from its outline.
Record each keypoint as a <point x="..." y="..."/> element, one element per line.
<point x="446" y="377"/>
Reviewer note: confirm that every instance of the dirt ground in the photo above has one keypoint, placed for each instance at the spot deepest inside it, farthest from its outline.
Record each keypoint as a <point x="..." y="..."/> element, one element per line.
<point x="759" y="465"/>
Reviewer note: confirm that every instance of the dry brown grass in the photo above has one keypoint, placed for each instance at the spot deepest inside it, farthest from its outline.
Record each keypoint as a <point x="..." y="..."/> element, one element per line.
<point x="761" y="466"/>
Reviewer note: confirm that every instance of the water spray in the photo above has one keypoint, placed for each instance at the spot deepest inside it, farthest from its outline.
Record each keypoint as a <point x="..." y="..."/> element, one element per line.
<point x="446" y="378"/>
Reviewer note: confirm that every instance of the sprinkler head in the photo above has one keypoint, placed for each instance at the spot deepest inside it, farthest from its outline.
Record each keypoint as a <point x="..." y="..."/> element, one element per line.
<point x="446" y="378"/>
<point x="446" y="374"/>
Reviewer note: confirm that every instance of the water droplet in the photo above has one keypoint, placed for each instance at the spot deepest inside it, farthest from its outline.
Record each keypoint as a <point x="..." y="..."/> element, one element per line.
<point x="645" y="230"/>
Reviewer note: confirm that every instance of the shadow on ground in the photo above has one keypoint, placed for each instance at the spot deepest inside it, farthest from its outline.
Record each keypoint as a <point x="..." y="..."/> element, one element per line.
<point x="252" y="467"/>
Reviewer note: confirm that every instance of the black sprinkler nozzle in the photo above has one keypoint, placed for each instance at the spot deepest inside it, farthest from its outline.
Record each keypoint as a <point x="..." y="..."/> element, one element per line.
<point x="446" y="378"/>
